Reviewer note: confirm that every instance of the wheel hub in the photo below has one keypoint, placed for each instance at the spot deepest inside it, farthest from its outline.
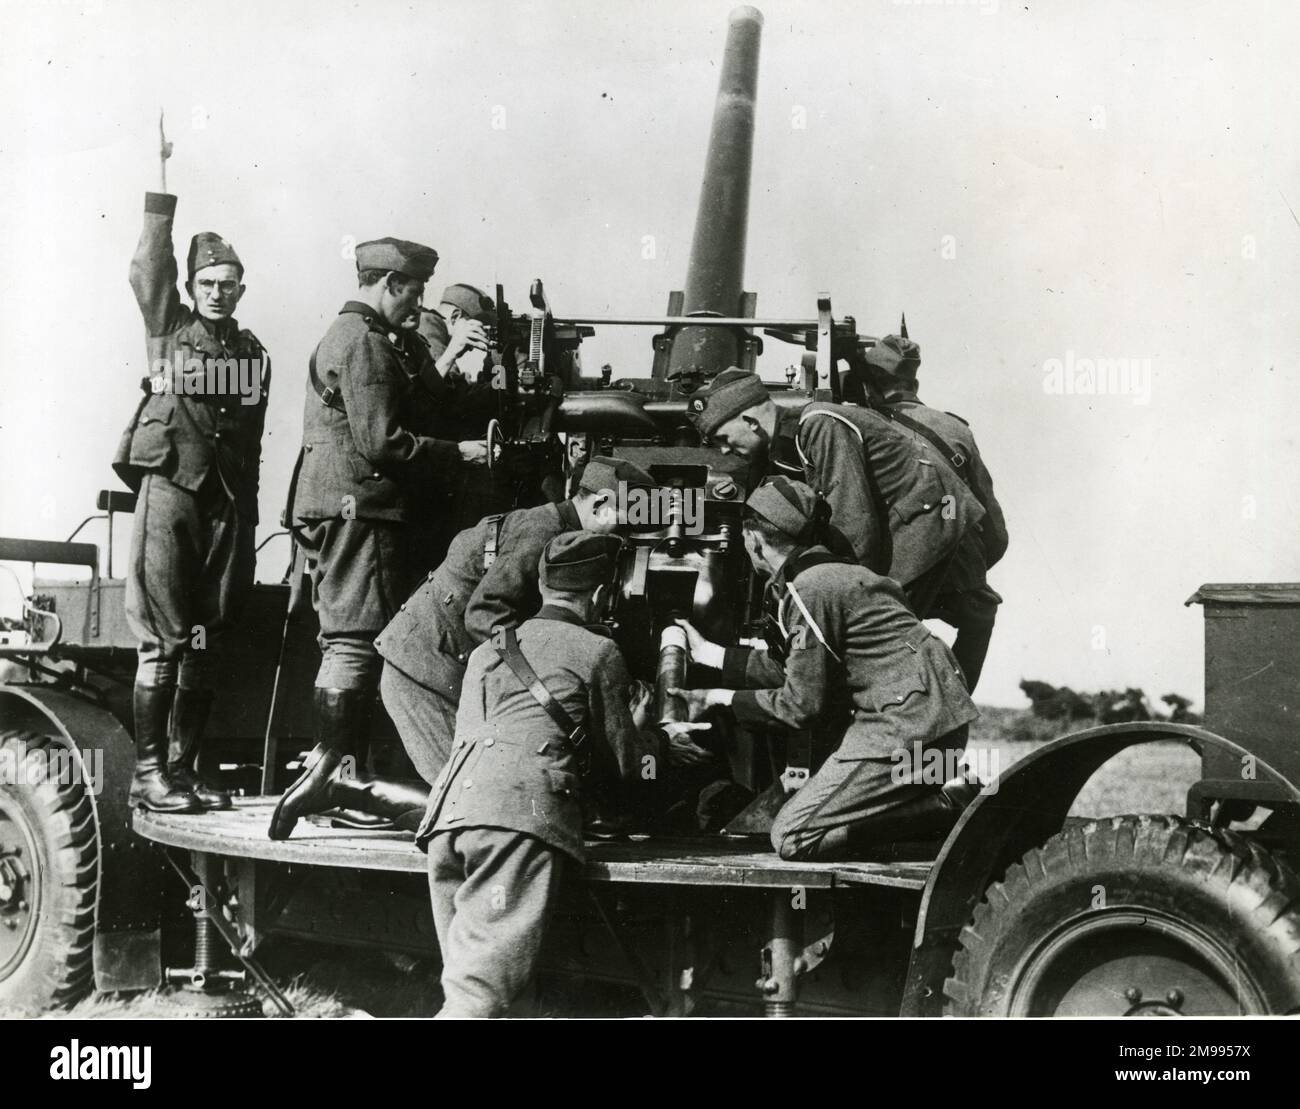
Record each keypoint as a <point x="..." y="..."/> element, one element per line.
<point x="1130" y="963"/>
<point x="19" y="889"/>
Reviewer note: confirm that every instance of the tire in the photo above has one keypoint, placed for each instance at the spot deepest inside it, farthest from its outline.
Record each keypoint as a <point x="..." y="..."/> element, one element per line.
<point x="48" y="877"/>
<point x="1133" y="916"/>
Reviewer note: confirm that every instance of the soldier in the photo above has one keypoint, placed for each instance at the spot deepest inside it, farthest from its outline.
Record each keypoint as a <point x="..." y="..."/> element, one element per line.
<point x="368" y="475"/>
<point x="965" y="601"/>
<point x="192" y="452"/>
<point x="489" y="578"/>
<point x="861" y="671"/>
<point x="457" y="326"/>
<point x="901" y="509"/>
<point x="544" y="718"/>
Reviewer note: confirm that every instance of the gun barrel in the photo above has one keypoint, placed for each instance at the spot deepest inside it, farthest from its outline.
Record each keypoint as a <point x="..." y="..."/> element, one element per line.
<point x="716" y="273"/>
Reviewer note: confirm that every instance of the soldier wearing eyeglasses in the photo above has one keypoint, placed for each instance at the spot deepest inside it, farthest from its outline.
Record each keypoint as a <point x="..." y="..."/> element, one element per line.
<point x="192" y="452"/>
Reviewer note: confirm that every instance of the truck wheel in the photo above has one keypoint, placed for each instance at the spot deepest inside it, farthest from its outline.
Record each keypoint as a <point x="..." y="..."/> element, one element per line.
<point x="1133" y="916"/>
<point x="48" y="874"/>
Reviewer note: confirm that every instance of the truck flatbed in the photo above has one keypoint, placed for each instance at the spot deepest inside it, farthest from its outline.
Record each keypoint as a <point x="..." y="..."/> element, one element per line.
<point x="695" y="861"/>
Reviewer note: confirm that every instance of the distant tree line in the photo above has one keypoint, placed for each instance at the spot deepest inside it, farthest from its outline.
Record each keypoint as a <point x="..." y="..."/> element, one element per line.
<point x="1110" y="706"/>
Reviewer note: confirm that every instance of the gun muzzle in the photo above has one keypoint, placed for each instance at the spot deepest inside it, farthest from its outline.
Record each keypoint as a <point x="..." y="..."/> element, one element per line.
<point x="671" y="673"/>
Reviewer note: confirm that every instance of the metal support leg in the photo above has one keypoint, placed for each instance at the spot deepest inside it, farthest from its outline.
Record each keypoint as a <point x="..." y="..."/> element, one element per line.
<point x="206" y="989"/>
<point x="780" y="959"/>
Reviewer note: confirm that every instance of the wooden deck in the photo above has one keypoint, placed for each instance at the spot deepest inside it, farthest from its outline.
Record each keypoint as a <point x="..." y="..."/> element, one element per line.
<point x="701" y="861"/>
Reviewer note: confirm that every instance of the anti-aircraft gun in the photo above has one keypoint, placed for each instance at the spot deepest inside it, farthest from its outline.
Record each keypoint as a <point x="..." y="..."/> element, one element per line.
<point x="684" y="557"/>
<point x="1200" y="909"/>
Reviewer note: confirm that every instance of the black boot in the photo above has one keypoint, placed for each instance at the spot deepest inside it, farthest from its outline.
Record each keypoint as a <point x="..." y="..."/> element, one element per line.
<point x="189" y="714"/>
<point x="399" y="804"/>
<point x="342" y="722"/>
<point x="927" y="818"/>
<point x="151" y="787"/>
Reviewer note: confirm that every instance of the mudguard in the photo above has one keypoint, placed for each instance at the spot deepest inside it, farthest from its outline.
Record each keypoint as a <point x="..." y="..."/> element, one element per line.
<point x="1029" y="806"/>
<point x="130" y="871"/>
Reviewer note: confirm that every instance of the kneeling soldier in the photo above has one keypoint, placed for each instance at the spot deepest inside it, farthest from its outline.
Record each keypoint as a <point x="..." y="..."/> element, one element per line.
<point x="861" y="667"/>
<point x="489" y="578"/>
<point x="544" y="717"/>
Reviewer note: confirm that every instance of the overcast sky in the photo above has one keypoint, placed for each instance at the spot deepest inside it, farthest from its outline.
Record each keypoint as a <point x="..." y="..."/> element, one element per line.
<point x="1034" y="184"/>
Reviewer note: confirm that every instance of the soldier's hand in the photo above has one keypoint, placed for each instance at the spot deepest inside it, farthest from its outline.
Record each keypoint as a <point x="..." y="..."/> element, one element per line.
<point x="704" y="652"/>
<point x="699" y="701"/>
<point x="473" y="451"/>
<point x="466" y="334"/>
<point x="682" y="750"/>
<point x="642" y="693"/>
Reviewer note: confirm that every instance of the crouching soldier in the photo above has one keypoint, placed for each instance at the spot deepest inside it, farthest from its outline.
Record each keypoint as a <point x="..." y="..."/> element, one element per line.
<point x="192" y="452"/>
<point x="543" y="720"/>
<point x="488" y="578"/>
<point x="854" y="652"/>
<point x="898" y="505"/>
<point x="965" y="601"/>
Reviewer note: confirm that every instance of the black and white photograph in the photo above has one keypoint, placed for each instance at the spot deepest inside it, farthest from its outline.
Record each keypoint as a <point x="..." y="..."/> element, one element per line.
<point x="561" y="509"/>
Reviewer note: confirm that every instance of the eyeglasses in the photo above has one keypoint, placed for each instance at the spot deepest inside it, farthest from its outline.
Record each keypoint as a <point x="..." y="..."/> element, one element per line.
<point x="207" y="286"/>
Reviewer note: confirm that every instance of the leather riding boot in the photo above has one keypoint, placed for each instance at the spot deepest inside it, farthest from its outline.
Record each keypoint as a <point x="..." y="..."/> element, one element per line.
<point x="928" y="817"/>
<point x="342" y="720"/>
<point x="189" y="715"/>
<point x="151" y="787"/>
<point x="401" y="804"/>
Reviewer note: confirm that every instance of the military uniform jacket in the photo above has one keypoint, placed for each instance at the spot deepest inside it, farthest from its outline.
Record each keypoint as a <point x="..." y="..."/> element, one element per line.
<point x="956" y="432"/>
<point x="848" y="629"/>
<point x="511" y="767"/>
<point x="460" y="603"/>
<point x="366" y="453"/>
<point x="180" y="434"/>
<point x="901" y="508"/>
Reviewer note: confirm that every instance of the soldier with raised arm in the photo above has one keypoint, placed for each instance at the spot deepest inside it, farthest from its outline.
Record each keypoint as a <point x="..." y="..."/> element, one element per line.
<point x="192" y="453"/>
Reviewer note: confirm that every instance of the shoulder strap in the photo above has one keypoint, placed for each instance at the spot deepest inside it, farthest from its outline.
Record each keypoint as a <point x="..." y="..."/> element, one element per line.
<point x="506" y="645"/>
<point x="492" y="541"/>
<point x="816" y="630"/>
<point x="955" y="458"/>
<point x="329" y="395"/>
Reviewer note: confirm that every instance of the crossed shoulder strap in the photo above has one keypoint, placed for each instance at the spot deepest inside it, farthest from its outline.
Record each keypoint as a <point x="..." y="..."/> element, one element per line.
<point x="506" y="644"/>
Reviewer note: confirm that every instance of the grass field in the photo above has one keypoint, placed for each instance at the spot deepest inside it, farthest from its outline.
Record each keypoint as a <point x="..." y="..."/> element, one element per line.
<point x="328" y="983"/>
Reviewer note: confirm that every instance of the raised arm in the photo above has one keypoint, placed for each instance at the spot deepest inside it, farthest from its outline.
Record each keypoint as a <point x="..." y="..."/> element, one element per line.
<point x="153" y="268"/>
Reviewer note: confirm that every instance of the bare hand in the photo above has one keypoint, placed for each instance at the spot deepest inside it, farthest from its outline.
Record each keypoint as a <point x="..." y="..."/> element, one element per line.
<point x="473" y="451"/>
<point x="699" y="701"/>
<point x="466" y="334"/>
<point x="682" y="750"/>
<point x="704" y="652"/>
<point x="639" y="704"/>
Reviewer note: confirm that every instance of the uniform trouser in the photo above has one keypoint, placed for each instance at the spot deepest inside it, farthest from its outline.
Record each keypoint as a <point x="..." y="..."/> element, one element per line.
<point x="191" y="571"/>
<point x="361" y="572"/>
<point x="425" y="720"/>
<point x="492" y="890"/>
<point x="815" y="822"/>
<point x="973" y="613"/>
